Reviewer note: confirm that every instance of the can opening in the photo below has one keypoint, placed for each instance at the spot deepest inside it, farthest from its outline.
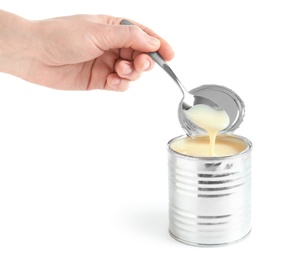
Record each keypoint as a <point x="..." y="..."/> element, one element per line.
<point x="226" y="145"/>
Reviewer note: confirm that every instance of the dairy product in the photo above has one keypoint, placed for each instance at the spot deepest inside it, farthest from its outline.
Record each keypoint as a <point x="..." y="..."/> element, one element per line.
<point x="226" y="145"/>
<point x="211" y="120"/>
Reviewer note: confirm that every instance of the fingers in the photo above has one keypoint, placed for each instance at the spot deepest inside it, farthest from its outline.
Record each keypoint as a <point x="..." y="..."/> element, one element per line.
<point x="165" y="49"/>
<point x="133" y="41"/>
<point x="137" y="37"/>
<point x="120" y="36"/>
<point x="127" y="71"/>
<point x="143" y="62"/>
<point x="115" y="83"/>
<point x="132" y="69"/>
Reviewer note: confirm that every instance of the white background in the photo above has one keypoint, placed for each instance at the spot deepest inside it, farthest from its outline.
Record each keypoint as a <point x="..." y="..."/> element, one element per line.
<point x="83" y="175"/>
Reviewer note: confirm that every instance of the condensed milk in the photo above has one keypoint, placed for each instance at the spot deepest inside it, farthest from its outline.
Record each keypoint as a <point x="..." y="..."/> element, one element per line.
<point x="212" y="121"/>
<point x="200" y="146"/>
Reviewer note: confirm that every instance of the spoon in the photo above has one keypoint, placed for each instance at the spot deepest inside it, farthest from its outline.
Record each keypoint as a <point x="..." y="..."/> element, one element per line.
<point x="189" y="98"/>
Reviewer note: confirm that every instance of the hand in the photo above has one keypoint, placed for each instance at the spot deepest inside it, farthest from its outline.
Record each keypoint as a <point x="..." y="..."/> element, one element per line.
<point x="80" y="52"/>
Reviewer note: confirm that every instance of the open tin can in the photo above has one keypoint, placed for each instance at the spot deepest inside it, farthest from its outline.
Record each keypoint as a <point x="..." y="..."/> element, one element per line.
<point x="210" y="197"/>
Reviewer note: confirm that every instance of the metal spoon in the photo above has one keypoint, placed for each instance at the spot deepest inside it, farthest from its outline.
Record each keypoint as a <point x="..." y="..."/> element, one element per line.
<point x="189" y="98"/>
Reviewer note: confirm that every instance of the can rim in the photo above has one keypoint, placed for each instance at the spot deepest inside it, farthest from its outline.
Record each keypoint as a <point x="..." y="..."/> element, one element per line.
<point x="245" y="151"/>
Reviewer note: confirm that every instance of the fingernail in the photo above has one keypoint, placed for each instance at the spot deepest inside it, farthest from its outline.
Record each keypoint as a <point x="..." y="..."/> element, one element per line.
<point x="115" y="81"/>
<point x="154" y="41"/>
<point x="127" y="70"/>
<point x="146" y="65"/>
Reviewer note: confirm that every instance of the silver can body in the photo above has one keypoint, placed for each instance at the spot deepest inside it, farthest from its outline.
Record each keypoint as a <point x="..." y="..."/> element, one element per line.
<point x="210" y="197"/>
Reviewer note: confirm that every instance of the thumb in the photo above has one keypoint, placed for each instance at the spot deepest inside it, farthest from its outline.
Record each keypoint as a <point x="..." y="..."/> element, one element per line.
<point x="123" y="36"/>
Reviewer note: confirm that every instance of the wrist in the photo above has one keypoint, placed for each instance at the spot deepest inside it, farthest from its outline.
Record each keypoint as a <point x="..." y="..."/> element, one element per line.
<point x="15" y="44"/>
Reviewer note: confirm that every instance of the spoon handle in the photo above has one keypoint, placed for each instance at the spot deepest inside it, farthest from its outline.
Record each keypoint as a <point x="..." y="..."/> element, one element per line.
<point x="161" y="62"/>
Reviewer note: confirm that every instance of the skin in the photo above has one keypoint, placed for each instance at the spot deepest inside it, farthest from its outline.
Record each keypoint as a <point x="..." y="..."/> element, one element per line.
<point x="80" y="52"/>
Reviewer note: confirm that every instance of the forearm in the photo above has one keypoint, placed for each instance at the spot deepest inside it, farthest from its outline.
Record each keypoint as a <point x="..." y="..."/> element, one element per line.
<point x="15" y="44"/>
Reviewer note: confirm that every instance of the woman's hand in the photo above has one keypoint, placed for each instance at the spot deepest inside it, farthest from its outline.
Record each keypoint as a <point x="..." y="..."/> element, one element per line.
<point x="80" y="52"/>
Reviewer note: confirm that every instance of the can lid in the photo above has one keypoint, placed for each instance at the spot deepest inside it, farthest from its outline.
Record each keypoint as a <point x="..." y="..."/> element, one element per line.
<point x="225" y="98"/>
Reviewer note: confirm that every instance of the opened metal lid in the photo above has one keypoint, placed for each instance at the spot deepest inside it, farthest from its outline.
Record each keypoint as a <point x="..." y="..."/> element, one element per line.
<point x="225" y="98"/>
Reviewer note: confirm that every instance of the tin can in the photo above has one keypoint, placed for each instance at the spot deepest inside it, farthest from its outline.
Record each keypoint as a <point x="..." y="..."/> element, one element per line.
<point x="210" y="197"/>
